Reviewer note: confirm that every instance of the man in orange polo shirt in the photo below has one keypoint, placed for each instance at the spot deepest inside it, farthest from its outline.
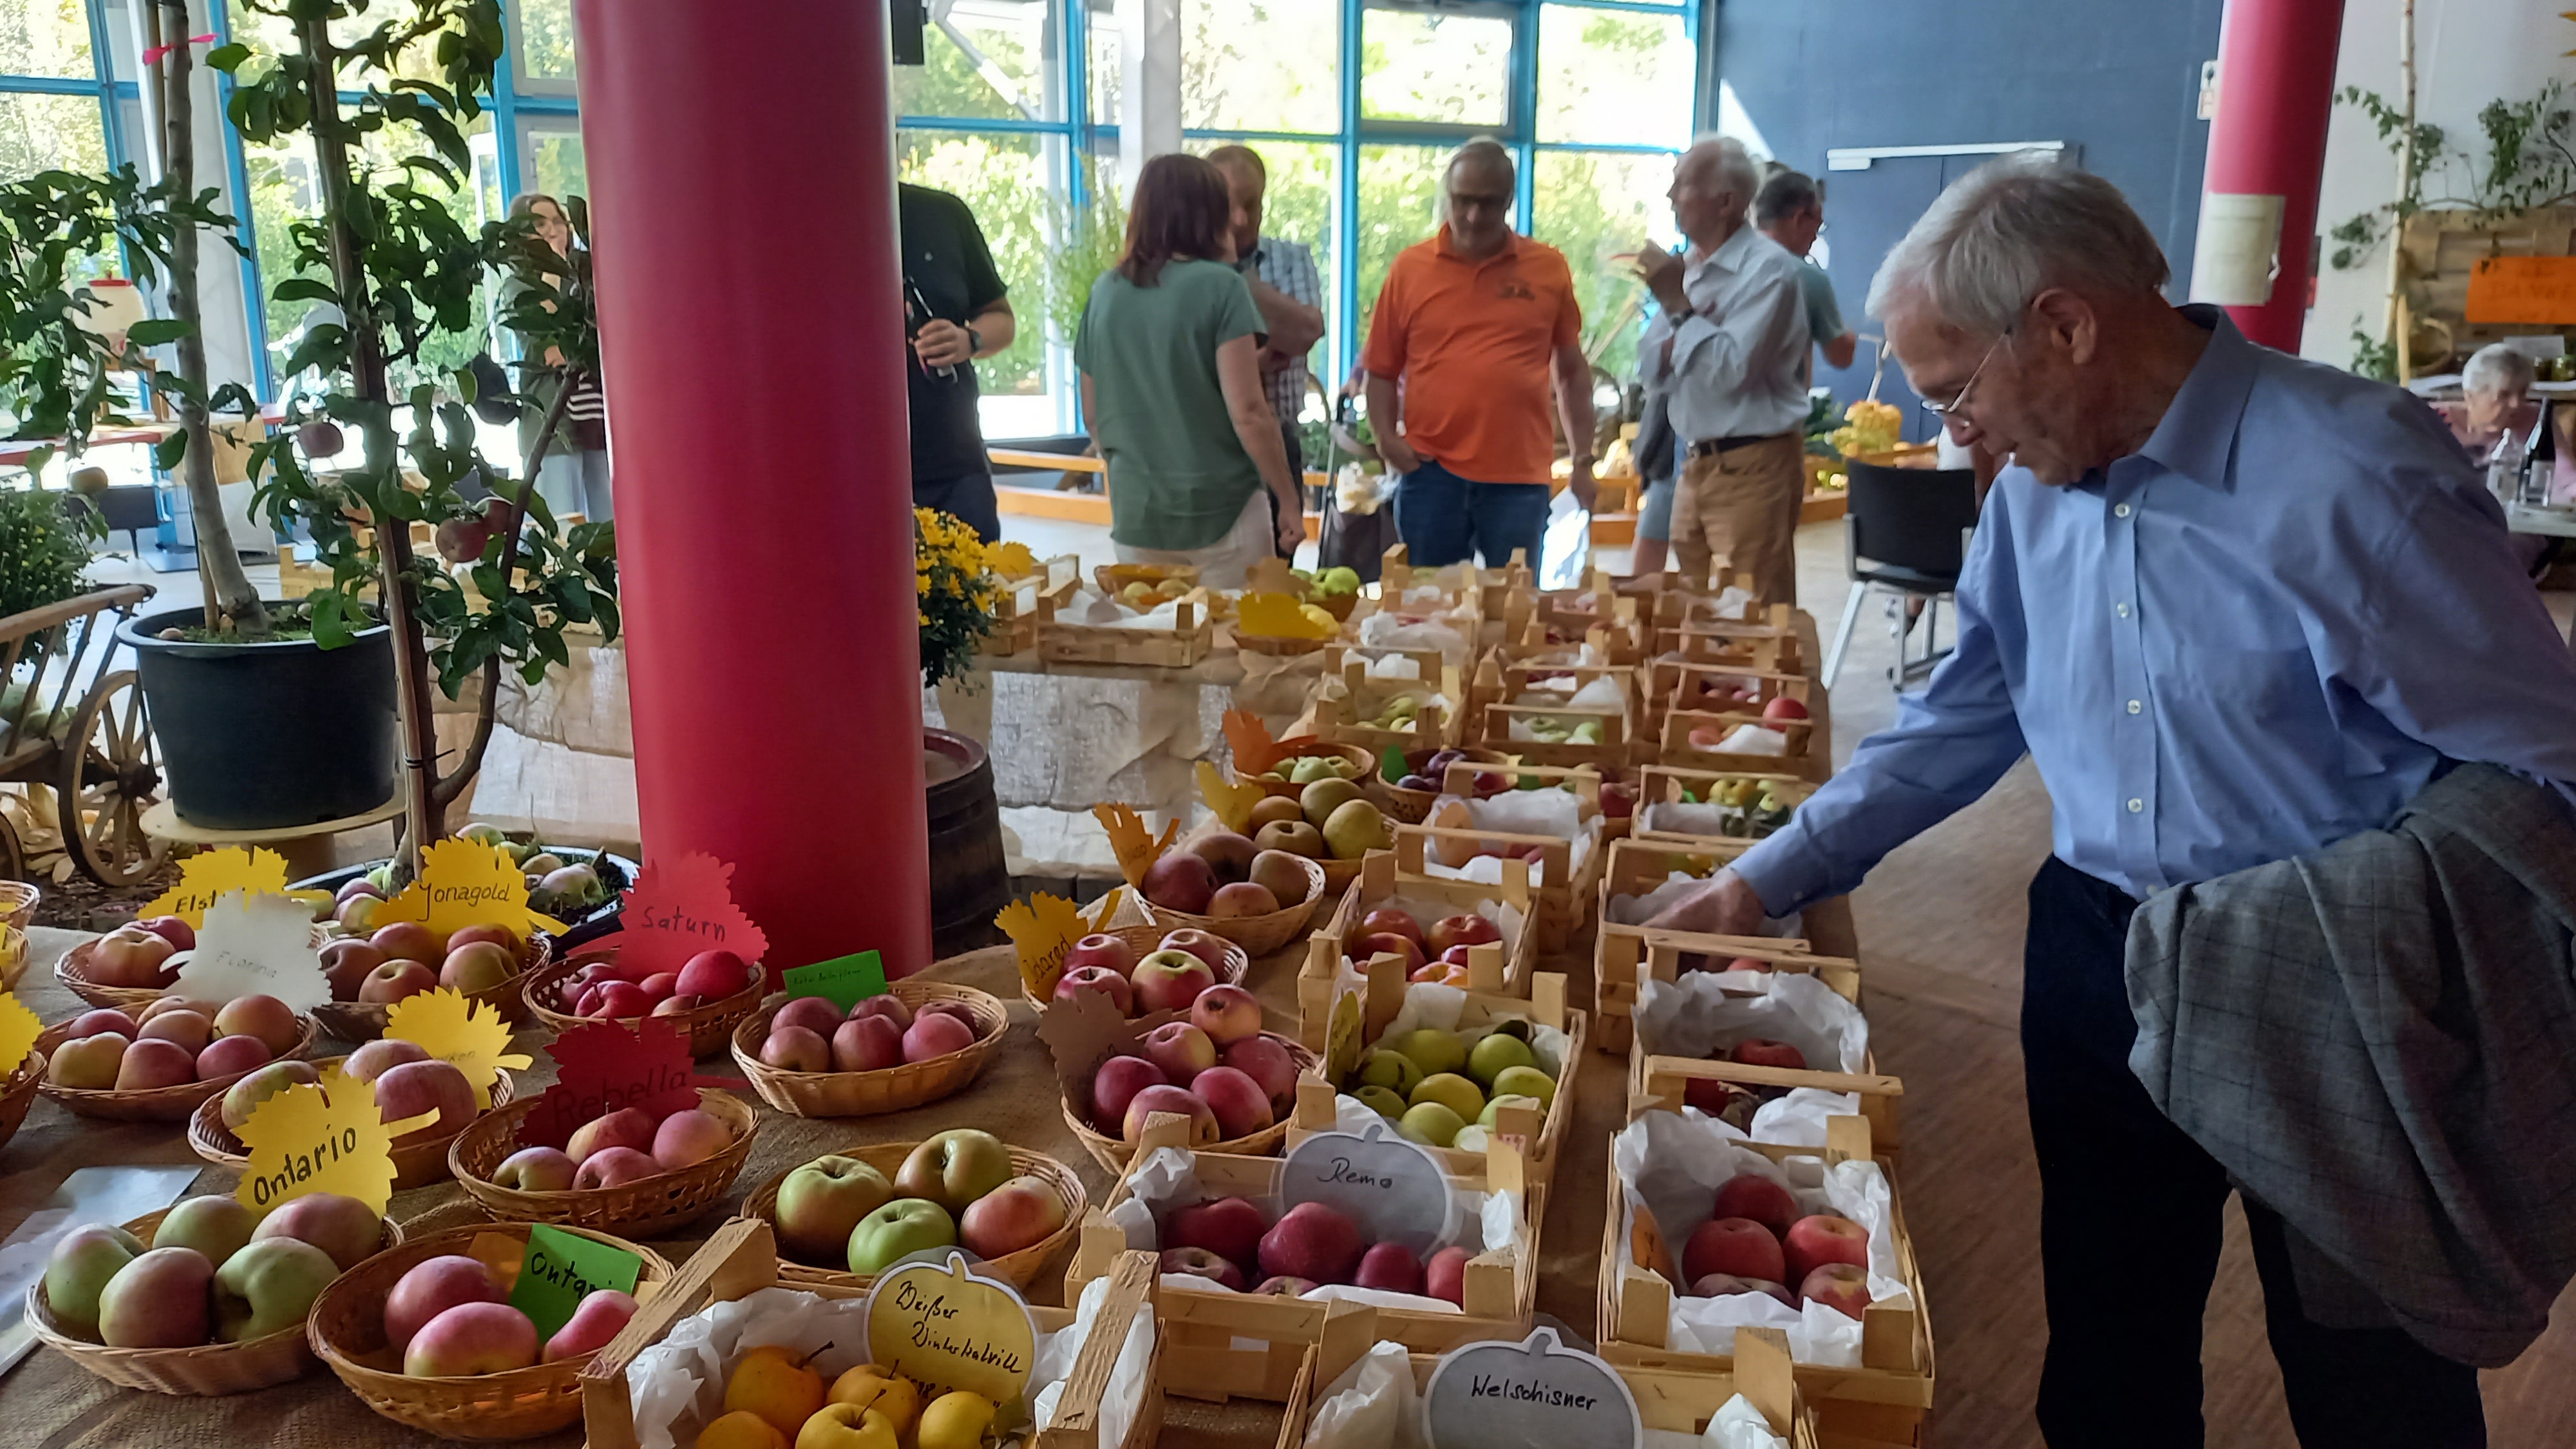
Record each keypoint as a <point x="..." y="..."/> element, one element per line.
<point x="1473" y="324"/>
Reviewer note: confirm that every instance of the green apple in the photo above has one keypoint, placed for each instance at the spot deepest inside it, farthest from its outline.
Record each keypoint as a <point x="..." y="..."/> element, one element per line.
<point x="83" y="1260"/>
<point x="821" y="1203"/>
<point x="1392" y="1070"/>
<point x="1433" y="1050"/>
<point x="1494" y="1108"/>
<point x="1309" y="768"/>
<point x="1383" y="1101"/>
<point x="1472" y="1138"/>
<point x="1453" y="1091"/>
<point x="1525" y="1082"/>
<point x="1491" y="1055"/>
<point x="214" y="1226"/>
<point x="1431" y="1124"/>
<point x="902" y="1227"/>
<point x="267" y="1286"/>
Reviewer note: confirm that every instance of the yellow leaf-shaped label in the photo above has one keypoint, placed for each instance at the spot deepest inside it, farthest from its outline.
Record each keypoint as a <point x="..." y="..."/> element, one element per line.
<point x="1280" y="616"/>
<point x="464" y="883"/>
<point x="1043" y="929"/>
<point x="19" y="1029"/>
<point x="1136" y="849"/>
<point x="1232" y="803"/>
<point x="324" y="1138"/>
<point x="469" y="1035"/>
<point x="1011" y="560"/>
<point x="210" y="875"/>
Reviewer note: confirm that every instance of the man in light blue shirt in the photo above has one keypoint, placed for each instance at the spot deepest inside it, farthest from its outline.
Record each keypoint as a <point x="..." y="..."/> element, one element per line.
<point x="2237" y="607"/>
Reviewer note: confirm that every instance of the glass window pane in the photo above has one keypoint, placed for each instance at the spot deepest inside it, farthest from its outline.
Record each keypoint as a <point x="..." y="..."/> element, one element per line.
<point x="50" y="133"/>
<point x="988" y="59"/>
<point x="1614" y="77"/>
<point x="1106" y="79"/>
<point x="545" y="41"/>
<point x="1398" y="188"/>
<point x="45" y="37"/>
<point x="1593" y="206"/>
<point x="1261" y="65"/>
<point x="556" y="165"/>
<point x="1299" y="206"/>
<point x="118" y="22"/>
<point x="1014" y="186"/>
<point x="1429" y="67"/>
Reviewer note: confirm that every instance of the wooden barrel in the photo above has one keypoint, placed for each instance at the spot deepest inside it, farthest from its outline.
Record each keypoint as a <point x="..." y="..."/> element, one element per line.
<point x="969" y="880"/>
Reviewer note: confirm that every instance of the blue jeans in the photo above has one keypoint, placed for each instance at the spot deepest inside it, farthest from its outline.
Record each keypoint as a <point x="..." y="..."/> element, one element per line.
<point x="2130" y="1225"/>
<point x="1443" y="518"/>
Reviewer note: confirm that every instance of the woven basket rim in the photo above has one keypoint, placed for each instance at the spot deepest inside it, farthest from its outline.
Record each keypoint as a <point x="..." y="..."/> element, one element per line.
<point x="1284" y="922"/>
<point x="762" y="1204"/>
<point x="748" y="1031"/>
<point x="70" y="970"/>
<point x="501" y="996"/>
<point x="1238" y="962"/>
<point x="740" y="1118"/>
<point x="1093" y="1139"/>
<point x="359" y="1376"/>
<point x="539" y="978"/>
<point x="207" y="1135"/>
<point x="73" y="1099"/>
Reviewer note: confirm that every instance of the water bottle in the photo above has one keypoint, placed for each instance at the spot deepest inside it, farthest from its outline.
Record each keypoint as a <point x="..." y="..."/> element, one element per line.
<point x="2504" y="469"/>
<point x="2539" y="459"/>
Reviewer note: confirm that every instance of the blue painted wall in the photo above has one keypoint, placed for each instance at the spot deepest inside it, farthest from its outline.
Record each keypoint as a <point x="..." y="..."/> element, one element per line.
<point x="2119" y="81"/>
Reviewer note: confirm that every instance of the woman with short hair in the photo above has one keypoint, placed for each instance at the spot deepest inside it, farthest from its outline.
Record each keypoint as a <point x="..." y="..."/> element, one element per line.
<point x="573" y="478"/>
<point x="1170" y="353"/>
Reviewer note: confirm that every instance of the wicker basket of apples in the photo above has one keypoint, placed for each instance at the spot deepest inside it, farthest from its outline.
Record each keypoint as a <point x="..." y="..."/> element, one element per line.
<point x="18" y="904"/>
<point x="627" y="1172"/>
<point x="1122" y="950"/>
<point x="425" y="1335"/>
<point x="405" y="1080"/>
<point x="712" y="993"/>
<point x="1408" y="799"/>
<point x="845" y="1216"/>
<point x="206" y="1297"/>
<point x="1203" y="1056"/>
<point x="1189" y="886"/>
<point x="368" y="975"/>
<point x="804" y="1055"/>
<point x="1304" y="761"/>
<point x="18" y="1093"/>
<point x="161" y="1063"/>
<point x="129" y="967"/>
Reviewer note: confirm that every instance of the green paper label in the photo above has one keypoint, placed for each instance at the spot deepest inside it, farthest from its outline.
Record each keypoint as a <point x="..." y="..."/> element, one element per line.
<point x="844" y="981"/>
<point x="561" y="1270"/>
<point x="1391" y="765"/>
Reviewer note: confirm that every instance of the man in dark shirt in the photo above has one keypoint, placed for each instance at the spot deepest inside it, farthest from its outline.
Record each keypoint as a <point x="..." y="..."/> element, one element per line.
<point x="956" y="310"/>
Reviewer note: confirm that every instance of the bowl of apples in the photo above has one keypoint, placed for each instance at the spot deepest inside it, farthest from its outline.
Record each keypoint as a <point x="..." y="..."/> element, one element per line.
<point x="1409" y="799"/>
<point x="205" y="1297"/>
<point x="1212" y="1063"/>
<point x="842" y="1218"/>
<point x="129" y="967"/>
<point x="1120" y="950"/>
<point x="918" y="1042"/>
<point x="1303" y="762"/>
<point x="18" y="1093"/>
<point x="628" y="1171"/>
<point x="710" y="995"/>
<point x="424" y="1334"/>
<point x="161" y="1062"/>
<point x="369" y="973"/>
<point x="1257" y="896"/>
<point x="405" y="1080"/>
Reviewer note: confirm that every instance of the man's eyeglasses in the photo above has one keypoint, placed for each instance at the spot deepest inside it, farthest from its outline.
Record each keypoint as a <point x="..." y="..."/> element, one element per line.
<point x="1950" y="410"/>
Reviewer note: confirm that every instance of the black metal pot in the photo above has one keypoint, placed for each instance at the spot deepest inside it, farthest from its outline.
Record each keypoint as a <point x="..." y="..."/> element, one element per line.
<point x="265" y="736"/>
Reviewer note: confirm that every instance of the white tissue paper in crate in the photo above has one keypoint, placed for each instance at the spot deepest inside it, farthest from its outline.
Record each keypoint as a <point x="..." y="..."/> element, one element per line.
<point x="1394" y="666"/>
<point x="1753" y="740"/>
<point x="677" y="1386"/>
<point x="1739" y="1425"/>
<point x="1056" y="1355"/>
<point x="1638" y="910"/>
<point x="1704" y="1014"/>
<point x="1388" y="629"/>
<point x="1730" y="603"/>
<point x="1373" y="1405"/>
<point x="1556" y="813"/>
<point x="1166" y="1181"/>
<point x="1098" y="611"/>
<point x="1672" y="1163"/>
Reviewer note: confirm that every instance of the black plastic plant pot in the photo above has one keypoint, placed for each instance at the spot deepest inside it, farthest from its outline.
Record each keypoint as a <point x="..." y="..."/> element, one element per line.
<point x="266" y="736"/>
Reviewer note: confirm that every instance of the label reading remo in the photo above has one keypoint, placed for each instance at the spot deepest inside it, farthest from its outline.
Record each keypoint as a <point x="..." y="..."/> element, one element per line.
<point x="1391" y="1187"/>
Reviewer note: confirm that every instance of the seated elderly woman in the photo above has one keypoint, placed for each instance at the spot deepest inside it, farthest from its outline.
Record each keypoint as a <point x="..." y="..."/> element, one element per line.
<point x="2496" y="402"/>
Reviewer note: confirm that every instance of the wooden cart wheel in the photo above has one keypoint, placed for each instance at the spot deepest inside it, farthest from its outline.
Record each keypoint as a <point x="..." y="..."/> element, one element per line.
<point x="111" y="774"/>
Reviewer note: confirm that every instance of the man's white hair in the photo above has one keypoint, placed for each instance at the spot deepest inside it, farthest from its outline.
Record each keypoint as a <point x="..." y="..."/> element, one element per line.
<point x="1482" y="150"/>
<point x="1737" y="171"/>
<point x="2497" y="368"/>
<point x="2010" y="229"/>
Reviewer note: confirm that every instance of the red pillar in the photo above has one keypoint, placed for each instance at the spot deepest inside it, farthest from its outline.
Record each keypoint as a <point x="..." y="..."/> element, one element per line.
<point x="2276" y="63"/>
<point x="742" y="197"/>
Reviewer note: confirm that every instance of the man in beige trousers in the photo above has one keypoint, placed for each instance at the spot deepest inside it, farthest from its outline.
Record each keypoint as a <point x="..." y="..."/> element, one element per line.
<point x="1731" y="345"/>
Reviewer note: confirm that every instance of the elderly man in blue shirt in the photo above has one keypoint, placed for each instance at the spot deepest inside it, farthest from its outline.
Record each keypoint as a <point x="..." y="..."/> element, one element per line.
<point x="2236" y="607"/>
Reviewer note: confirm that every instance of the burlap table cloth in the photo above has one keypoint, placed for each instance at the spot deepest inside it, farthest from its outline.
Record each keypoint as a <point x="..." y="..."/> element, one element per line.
<point x="47" y="1401"/>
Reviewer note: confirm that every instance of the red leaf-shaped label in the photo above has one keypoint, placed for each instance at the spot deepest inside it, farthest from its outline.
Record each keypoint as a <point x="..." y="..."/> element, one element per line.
<point x="678" y="908"/>
<point x="601" y="1067"/>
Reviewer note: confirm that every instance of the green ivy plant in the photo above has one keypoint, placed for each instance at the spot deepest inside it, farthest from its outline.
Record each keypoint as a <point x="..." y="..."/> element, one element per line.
<point x="400" y="269"/>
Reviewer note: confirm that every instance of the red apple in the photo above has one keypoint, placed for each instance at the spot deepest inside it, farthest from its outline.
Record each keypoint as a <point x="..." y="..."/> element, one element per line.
<point x="1181" y="1050"/>
<point x="1101" y="979"/>
<point x="173" y="929"/>
<point x="1228" y="1014"/>
<point x="622" y="999"/>
<point x="631" y="1127"/>
<point x="1748" y="963"/>
<point x="91" y="1023"/>
<point x="587" y="1003"/>
<point x="661" y="985"/>
<point x="1720" y="1285"/>
<point x="229" y="1056"/>
<point x="1445" y="1276"/>
<point x="1176" y="1100"/>
<point x="1819" y="1239"/>
<point x="814" y="1013"/>
<point x="345" y="964"/>
<point x="1386" y="943"/>
<point x="1783" y="707"/>
<point x="1241" y="1106"/>
<point x="1206" y="945"/>
<point x="410" y="941"/>
<point x="1116" y="1083"/>
<point x="1763" y="1052"/>
<point x="1385" y="919"/>
<point x="1180" y="881"/>
<point x="1752" y="1196"/>
<point x="713" y="975"/>
<point x="1170" y="980"/>
<point x="1230" y="1227"/>
<point x="614" y="1167"/>
<point x="1389" y="1267"/>
<point x="936" y="1034"/>
<point x="1463" y="930"/>
<point x="889" y="1006"/>
<point x="1266" y="1062"/>
<point x="796" y="1049"/>
<point x="867" y="1044"/>
<point x="1732" y="1245"/>
<point x="1839" y="1286"/>
<point x="494" y="935"/>
<point x="397" y="978"/>
<point x="1200" y="1263"/>
<point x="1108" y="952"/>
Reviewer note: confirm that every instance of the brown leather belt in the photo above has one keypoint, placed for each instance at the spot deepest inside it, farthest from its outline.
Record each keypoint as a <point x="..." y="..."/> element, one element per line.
<point x="1711" y="447"/>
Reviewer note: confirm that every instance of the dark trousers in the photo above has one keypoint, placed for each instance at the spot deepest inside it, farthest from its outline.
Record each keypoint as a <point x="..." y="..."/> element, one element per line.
<point x="2130" y="1226"/>
<point x="968" y="496"/>
<point x="1445" y="518"/>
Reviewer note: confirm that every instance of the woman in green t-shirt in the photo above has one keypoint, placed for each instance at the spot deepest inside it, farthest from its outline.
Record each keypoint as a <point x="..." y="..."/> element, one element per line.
<point x="1171" y="383"/>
